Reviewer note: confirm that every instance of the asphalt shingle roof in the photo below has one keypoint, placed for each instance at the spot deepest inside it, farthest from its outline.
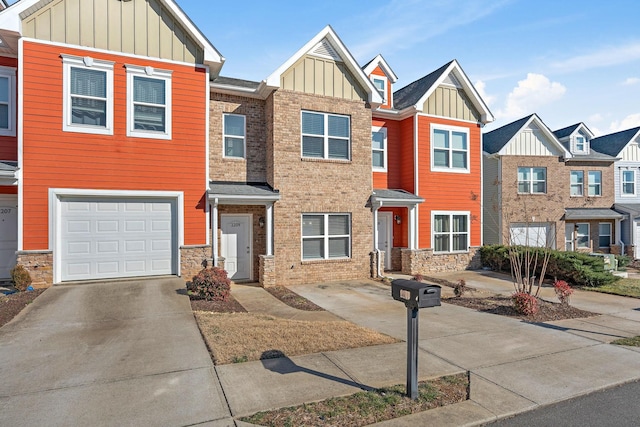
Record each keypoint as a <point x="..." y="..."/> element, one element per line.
<point x="493" y="141"/>
<point x="564" y="132"/>
<point x="613" y="143"/>
<point x="411" y="93"/>
<point x="591" y="213"/>
<point x="230" y="81"/>
<point x="8" y="166"/>
<point x="249" y="189"/>
<point x="396" y="195"/>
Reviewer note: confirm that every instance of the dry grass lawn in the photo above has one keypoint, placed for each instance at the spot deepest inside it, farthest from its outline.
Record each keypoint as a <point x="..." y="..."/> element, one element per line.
<point x="241" y="337"/>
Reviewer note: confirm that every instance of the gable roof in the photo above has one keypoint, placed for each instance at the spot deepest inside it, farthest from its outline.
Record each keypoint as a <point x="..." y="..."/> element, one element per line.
<point x="570" y="130"/>
<point x="613" y="143"/>
<point x="11" y="19"/>
<point x="416" y="93"/>
<point x="493" y="142"/>
<point x="379" y="61"/>
<point x="341" y="50"/>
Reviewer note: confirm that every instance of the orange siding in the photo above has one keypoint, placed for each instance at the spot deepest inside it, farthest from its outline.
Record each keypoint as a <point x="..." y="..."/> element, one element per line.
<point x="444" y="191"/>
<point x="56" y="159"/>
<point x="9" y="144"/>
<point x="406" y="160"/>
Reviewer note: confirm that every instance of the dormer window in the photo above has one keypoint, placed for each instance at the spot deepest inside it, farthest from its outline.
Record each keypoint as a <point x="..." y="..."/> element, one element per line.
<point x="380" y="84"/>
<point x="581" y="144"/>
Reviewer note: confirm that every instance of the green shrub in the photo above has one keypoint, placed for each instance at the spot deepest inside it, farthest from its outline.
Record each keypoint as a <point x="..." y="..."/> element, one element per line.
<point x="211" y="284"/>
<point x="575" y="267"/>
<point x="20" y="277"/>
<point x="623" y="260"/>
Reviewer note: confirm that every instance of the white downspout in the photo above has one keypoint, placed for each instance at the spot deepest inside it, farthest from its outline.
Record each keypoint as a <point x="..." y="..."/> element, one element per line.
<point x="375" y="238"/>
<point x="214" y="227"/>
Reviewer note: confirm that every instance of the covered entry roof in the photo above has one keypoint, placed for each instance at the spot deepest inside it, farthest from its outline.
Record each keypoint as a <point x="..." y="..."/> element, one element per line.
<point x="572" y="214"/>
<point x="242" y="192"/>
<point x="394" y="197"/>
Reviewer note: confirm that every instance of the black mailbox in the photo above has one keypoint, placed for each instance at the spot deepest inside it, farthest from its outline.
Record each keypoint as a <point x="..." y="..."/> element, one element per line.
<point x="415" y="294"/>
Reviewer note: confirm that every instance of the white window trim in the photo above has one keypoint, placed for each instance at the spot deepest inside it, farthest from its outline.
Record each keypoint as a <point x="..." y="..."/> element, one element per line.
<point x="450" y="214"/>
<point x="610" y="234"/>
<point x="384" y="150"/>
<point x="622" y="182"/>
<point x="450" y="169"/>
<point x="571" y="184"/>
<point x="531" y="181"/>
<point x="385" y="97"/>
<point x="10" y="74"/>
<point x="69" y="62"/>
<point x="325" y="137"/>
<point x="326" y="216"/>
<point x="578" y="235"/>
<point x="244" y="137"/>
<point x="599" y="185"/>
<point x="151" y="72"/>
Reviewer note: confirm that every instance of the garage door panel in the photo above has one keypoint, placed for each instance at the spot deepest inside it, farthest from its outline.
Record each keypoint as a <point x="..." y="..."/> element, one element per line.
<point x="123" y="238"/>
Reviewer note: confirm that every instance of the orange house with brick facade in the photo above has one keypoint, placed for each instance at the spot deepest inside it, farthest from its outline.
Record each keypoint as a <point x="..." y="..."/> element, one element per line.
<point x="427" y="170"/>
<point x="106" y="166"/>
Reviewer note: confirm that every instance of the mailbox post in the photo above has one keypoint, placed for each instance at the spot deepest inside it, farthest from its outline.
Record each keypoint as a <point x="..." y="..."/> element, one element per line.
<point x="415" y="295"/>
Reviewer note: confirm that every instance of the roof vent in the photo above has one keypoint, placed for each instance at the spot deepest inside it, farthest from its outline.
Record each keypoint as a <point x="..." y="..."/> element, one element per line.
<point x="325" y="50"/>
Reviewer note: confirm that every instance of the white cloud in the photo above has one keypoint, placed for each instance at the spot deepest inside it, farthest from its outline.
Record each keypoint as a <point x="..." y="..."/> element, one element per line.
<point x="597" y="117"/>
<point x="531" y="93"/>
<point x="481" y="88"/>
<point x="631" y="81"/>
<point x="603" y="57"/>
<point x="631" y="121"/>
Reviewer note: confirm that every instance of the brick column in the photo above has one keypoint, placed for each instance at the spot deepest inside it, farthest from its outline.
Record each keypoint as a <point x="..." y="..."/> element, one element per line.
<point x="39" y="264"/>
<point x="267" y="270"/>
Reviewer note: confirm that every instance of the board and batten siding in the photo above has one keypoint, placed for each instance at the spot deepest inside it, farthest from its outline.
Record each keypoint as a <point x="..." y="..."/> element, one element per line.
<point x="140" y="27"/>
<point x="451" y="102"/>
<point x="491" y="208"/>
<point x="320" y="76"/>
<point x="57" y="159"/>
<point x="531" y="142"/>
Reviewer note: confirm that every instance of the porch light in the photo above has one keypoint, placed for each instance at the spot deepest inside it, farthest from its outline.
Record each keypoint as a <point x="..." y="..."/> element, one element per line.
<point x="261" y="222"/>
<point x="398" y="219"/>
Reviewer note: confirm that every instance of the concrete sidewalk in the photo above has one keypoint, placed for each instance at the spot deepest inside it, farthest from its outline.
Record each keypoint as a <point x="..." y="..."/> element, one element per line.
<point x="514" y="366"/>
<point x="125" y="353"/>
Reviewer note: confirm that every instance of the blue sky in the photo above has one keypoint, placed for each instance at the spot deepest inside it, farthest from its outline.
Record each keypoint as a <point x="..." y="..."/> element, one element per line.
<point x="568" y="61"/>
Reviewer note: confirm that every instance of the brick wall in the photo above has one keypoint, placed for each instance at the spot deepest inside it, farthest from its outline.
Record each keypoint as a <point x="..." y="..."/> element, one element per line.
<point x="193" y="259"/>
<point x="253" y="167"/>
<point x="549" y="207"/>
<point x="318" y="186"/>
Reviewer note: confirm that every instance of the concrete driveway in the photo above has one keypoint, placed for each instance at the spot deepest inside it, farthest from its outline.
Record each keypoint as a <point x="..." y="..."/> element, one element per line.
<point x="124" y="353"/>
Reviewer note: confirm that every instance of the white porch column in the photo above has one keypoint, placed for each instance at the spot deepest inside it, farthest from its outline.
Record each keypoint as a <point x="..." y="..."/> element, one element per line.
<point x="413" y="218"/>
<point x="269" y="228"/>
<point x="214" y="232"/>
<point x="375" y="227"/>
<point x="618" y="232"/>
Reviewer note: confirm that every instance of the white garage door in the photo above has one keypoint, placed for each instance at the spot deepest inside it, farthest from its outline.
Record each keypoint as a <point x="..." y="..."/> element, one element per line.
<point x="533" y="234"/>
<point x="111" y="238"/>
<point x="8" y="237"/>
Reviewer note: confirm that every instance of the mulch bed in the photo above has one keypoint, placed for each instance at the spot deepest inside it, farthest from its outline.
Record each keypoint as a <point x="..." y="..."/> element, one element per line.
<point x="502" y="305"/>
<point x="292" y="299"/>
<point x="11" y="305"/>
<point x="228" y="306"/>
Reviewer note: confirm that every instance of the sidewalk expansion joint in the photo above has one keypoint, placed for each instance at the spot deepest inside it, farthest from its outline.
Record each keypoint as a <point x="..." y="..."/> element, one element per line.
<point x="349" y="375"/>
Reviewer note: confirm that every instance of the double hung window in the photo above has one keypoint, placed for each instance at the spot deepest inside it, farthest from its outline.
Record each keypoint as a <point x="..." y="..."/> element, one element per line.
<point x="326" y="236"/>
<point x="577" y="182"/>
<point x="532" y="180"/>
<point x="88" y="95"/>
<point x="148" y="102"/>
<point x="450" y="232"/>
<point x="628" y="182"/>
<point x="450" y="149"/>
<point x="595" y="183"/>
<point x="379" y="148"/>
<point x="326" y="136"/>
<point x="234" y="135"/>
<point x="7" y="101"/>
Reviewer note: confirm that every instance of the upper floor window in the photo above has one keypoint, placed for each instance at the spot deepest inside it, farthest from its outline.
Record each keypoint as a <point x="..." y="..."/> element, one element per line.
<point x="581" y="144"/>
<point x="326" y="136"/>
<point x="450" y="232"/>
<point x="379" y="148"/>
<point x="234" y="135"/>
<point x="326" y="236"/>
<point x="148" y="102"/>
<point x="577" y="182"/>
<point x="628" y="183"/>
<point x="7" y="101"/>
<point x="532" y="180"/>
<point x="595" y="183"/>
<point x="380" y="84"/>
<point x="88" y="95"/>
<point x="450" y="149"/>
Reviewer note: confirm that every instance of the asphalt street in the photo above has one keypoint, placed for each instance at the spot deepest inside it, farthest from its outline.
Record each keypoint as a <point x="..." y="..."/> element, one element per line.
<point x="617" y="406"/>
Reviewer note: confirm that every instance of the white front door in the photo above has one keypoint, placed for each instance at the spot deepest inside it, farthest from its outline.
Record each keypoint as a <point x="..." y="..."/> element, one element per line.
<point x="636" y="250"/>
<point x="8" y="237"/>
<point x="236" y="245"/>
<point x="385" y="236"/>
